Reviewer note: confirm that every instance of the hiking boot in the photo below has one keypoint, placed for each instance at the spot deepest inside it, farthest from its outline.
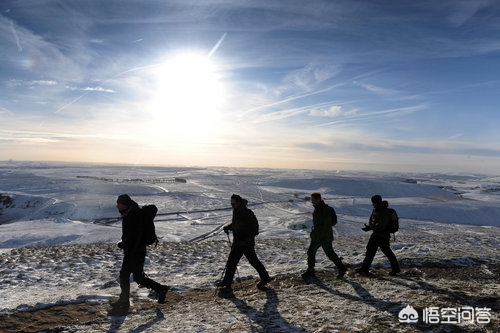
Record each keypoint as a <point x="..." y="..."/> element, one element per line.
<point x="262" y="284"/>
<point x="223" y="284"/>
<point x="342" y="271"/>
<point x="162" y="294"/>
<point x="308" y="274"/>
<point x="121" y="303"/>
<point x="362" y="271"/>
<point x="394" y="272"/>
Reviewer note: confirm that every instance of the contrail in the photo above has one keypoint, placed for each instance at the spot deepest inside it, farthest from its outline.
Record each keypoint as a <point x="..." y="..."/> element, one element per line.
<point x="212" y="51"/>
<point x="292" y="98"/>
<point x="14" y="32"/>
<point x="375" y="114"/>
<point x="70" y="103"/>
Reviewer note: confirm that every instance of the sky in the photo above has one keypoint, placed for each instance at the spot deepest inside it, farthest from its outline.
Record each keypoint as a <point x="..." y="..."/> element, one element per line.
<point x="336" y="85"/>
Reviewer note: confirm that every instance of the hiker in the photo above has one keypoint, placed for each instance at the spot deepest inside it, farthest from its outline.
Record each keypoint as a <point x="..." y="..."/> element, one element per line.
<point x="245" y="227"/>
<point x="379" y="224"/>
<point x="134" y="250"/>
<point x="322" y="236"/>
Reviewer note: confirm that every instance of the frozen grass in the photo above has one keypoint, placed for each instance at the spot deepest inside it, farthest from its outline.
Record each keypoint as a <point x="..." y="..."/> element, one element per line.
<point x="59" y="263"/>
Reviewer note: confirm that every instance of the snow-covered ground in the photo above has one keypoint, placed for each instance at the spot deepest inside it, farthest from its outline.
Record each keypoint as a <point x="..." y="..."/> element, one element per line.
<point x="59" y="263"/>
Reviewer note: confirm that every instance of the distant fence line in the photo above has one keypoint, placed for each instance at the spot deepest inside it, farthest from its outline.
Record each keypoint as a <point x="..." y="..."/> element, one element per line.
<point x="137" y="180"/>
<point x="105" y="220"/>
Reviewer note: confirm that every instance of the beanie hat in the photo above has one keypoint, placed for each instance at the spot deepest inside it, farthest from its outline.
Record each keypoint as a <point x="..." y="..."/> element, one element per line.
<point x="124" y="199"/>
<point x="376" y="199"/>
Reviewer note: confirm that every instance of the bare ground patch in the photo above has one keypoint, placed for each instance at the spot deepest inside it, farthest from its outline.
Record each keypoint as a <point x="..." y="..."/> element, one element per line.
<point x="291" y="304"/>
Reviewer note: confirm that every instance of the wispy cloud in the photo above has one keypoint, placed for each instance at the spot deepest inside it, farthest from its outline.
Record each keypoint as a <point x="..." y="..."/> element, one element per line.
<point x="361" y="117"/>
<point x="462" y="11"/>
<point x="309" y="77"/>
<point x="335" y="76"/>
<point x="284" y="100"/>
<point x="19" y="83"/>
<point x="4" y="111"/>
<point x="33" y="136"/>
<point x="16" y="38"/>
<point x="98" y="89"/>
<point x="377" y="89"/>
<point x="331" y="111"/>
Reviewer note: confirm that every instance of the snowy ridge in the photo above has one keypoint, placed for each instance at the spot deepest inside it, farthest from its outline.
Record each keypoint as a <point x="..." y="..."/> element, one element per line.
<point x="438" y="270"/>
<point x="58" y="257"/>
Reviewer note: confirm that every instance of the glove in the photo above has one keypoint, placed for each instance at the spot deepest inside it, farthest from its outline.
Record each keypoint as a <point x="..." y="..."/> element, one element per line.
<point x="121" y="245"/>
<point x="226" y="230"/>
<point x="366" y="228"/>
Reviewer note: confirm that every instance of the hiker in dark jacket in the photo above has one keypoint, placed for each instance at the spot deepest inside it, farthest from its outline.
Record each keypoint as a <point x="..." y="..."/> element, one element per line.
<point x="379" y="223"/>
<point x="245" y="227"/>
<point x="322" y="236"/>
<point x="134" y="251"/>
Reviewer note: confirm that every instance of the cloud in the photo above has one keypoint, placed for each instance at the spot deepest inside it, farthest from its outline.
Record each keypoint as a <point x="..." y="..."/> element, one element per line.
<point x="461" y="11"/>
<point x="43" y="82"/>
<point x="345" y="142"/>
<point x="16" y="38"/>
<point x="299" y="71"/>
<point x="377" y="90"/>
<point x="4" y="111"/>
<point x="98" y="89"/>
<point x="37" y="54"/>
<point x="332" y="111"/>
<point x="20" y="83"/>
<point x="37" y="136"/>
<point x="285" y="100"/>
<point x="363" y="117"/>
<point x="309" y="77"/>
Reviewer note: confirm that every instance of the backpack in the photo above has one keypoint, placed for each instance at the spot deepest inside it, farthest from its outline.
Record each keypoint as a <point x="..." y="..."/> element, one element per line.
<point x="334" y="216"/>
<point x="253" y="226"/>
<point x="148" y="214"/>
<point x="392" y="216"/>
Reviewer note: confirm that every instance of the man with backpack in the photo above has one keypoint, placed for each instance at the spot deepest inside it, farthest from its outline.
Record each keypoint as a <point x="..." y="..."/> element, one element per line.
<point x="134" y="245"/>
<point x="382" y="221"/>
<point x="324" y="218"/>
<point x="245" y="227"/>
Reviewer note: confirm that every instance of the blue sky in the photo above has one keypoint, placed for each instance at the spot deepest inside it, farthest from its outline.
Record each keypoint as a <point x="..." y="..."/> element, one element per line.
<point x="338" y="85"/>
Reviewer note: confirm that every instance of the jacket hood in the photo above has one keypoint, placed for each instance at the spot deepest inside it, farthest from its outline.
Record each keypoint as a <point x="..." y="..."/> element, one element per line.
<point x="132" y="208"/>
<point x="243" y="205"/>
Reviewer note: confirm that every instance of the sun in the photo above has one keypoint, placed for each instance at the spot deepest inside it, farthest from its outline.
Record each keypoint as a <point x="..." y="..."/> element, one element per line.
<point x="188" y="94"/>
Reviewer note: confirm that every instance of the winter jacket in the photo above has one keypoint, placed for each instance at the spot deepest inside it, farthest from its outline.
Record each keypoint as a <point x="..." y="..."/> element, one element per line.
<point x="322" y="223"/>
<point x="131" y="229"/>
<point x="379" y="219"/>
<point x="244" y="225"/>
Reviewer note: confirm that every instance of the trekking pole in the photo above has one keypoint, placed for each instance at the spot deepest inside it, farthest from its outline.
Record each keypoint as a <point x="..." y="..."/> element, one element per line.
<point x="225" y="268"/>
<point x="220" y="279"/>
<point x="222" y="275"/>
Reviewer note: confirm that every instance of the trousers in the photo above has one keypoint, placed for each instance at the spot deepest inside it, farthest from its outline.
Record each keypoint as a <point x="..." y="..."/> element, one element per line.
<point x="382" y="240"/>
<point x="235" y="255"/>
<point x="327" y="247"/>
<point x="133" y="263"/>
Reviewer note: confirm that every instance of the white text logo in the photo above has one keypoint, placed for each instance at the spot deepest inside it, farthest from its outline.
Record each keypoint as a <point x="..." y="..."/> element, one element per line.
<point x="446" y="315"/>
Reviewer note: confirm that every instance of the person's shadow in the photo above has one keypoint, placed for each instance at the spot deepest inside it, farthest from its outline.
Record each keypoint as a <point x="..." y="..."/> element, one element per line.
<point x="118" y="314"/>
<point x="363" y="295"/>
<point x="266" y="320"/>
